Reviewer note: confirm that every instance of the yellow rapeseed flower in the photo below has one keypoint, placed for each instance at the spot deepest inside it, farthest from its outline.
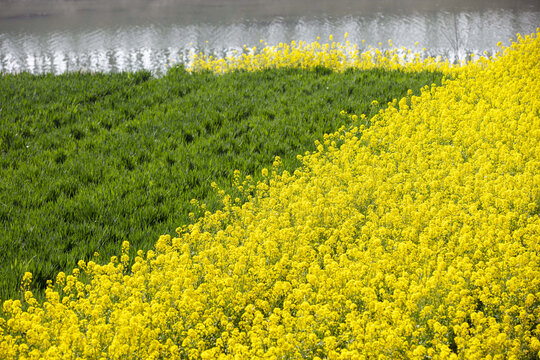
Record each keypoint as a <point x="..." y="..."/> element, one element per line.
<point x="415" y="237"/>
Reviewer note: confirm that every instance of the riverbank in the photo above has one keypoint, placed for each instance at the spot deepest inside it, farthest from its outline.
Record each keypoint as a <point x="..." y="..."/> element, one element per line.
<point x="410" y="234"/>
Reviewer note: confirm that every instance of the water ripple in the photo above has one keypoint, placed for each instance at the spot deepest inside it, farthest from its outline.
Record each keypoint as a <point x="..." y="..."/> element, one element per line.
<point x="454" y="35"/>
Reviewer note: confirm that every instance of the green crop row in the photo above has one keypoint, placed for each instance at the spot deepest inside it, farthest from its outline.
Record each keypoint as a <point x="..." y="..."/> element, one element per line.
<point x="90" y="160"/>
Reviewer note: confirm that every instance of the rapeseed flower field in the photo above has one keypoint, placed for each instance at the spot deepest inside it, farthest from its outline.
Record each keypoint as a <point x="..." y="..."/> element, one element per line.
<point x="414" y="237"/>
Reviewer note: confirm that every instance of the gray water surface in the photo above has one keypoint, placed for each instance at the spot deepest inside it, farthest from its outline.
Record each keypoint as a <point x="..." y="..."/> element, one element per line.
<point x="125" y="35"/>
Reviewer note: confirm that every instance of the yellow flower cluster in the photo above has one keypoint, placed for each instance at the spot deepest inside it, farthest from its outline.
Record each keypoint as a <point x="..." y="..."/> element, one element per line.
<point x="335" y="55"/>
<point x="414" y="238"/>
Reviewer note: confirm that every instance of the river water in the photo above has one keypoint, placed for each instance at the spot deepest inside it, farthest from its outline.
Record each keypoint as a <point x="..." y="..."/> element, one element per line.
<point x="124" y="35"/>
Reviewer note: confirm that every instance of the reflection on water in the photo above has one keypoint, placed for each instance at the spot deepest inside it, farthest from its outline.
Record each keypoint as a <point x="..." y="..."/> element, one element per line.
<point x="115" y="35"/>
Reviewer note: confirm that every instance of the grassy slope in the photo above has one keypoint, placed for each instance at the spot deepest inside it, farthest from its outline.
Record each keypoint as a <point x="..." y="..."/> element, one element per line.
<point x="87" y="161"/>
